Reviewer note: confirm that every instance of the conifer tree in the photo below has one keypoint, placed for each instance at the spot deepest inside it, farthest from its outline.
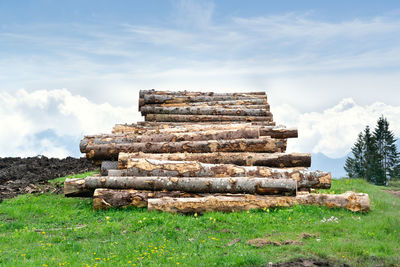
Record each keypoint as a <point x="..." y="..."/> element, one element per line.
<point x="355" y="165"/>
<point x="386" y="146"/>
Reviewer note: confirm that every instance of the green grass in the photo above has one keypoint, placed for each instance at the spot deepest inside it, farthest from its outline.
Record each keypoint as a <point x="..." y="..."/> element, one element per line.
<point x="50" y="230"/>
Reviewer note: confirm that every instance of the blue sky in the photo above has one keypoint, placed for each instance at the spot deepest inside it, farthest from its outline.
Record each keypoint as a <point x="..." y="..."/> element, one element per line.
<point x="69" y="68"/>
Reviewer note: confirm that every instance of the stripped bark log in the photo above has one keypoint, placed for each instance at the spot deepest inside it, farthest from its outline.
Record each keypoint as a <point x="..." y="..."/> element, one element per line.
<point x="203" y="118"/>
<point x="104" y="198"/>
<point x="173" y="127"/>
<point x="142" y="93"/>
<point x="349" y="200"/>
<point x="111" y="151"/>
<point x="250" y="133"/>
<point x="278" y="160"/>
<point x="149" y="167"/>
<point x="187" y="110"/>
<point x="156" y="99"/>
<point x="273" y="131"/>
<point x="256" y="185"/>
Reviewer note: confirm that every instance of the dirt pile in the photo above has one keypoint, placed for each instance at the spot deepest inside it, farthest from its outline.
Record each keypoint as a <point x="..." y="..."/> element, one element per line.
<point x="30" y="175"/>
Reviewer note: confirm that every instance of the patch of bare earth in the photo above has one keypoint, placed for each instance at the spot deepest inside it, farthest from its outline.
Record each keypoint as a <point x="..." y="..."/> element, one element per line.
<point x="393" y="192"/>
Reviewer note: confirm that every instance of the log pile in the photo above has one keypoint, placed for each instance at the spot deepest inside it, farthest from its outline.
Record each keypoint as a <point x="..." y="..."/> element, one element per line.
<point x="203" y="151"/>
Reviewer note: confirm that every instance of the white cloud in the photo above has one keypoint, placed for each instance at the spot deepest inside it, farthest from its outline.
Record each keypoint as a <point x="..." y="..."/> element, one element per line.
<point x="334" y="130"/>
<point x="27" y="116"/>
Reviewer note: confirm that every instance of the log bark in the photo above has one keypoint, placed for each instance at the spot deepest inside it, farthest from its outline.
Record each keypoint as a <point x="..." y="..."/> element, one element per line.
<point x="142" y="93"/>
<point x="262" y="145"/>
<point x="278" y="160"/>
<point x="349" y="200"/>
<point x="104" y="198"/>
<point x="148" y="167"/>
<point x="272" y="131"/>
<point x="241" y="102"/>
<point x="156" y="99"/>
<point x="157" y="124"/>
<point x="254" y="185"/>
<point x="174" y="127"/>
<point x="203" y="118"/>
<point x="199" y="110"/>
<point x="206" y="105"/>
<point x="250" y="133"/>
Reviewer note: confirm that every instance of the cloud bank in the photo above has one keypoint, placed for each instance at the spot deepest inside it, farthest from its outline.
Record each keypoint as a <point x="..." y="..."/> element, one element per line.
<point x="334" y="130"/>
<point x="51" y="123"/>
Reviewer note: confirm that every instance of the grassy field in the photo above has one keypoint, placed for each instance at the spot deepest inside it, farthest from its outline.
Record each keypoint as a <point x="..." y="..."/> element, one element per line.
<point x="50" y="230"/>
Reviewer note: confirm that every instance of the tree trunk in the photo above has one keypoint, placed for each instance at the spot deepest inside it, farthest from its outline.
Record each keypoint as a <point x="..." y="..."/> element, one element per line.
<point x="241" y="102"/>
<point x="110" y="151"/>
<point x="349" y="200"/>
<point x="149" y="167"/>
<point x="272" y="131"/>
<point x="256" y="185"/>
<point x="205" y="105"/>
<point x="154" y="128"/>
<point x="203" y="118"/>
<point x="250" y="133"/>
<point x="142" y="93"/>
<point x="104" y="198"/>
<point x="278" y="160"/>
<point x="209" y="123"/>
<point x="168" y="99"/>
<point x="208" y="110"/>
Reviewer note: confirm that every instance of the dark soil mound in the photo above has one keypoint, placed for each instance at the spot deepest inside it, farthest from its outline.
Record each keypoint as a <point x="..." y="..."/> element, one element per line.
<point x="29" y="175"/>
<point x="308" y="263"/>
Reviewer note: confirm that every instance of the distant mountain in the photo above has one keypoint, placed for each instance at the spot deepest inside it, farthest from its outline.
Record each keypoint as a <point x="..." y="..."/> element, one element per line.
<point x="324" y="163"/>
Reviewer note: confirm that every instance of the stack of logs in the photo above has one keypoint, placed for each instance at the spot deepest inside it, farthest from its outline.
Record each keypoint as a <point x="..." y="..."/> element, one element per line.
<point x="200" y="151"/>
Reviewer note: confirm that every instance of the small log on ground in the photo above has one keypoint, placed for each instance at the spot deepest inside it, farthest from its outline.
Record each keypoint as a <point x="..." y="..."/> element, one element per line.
<point x="111" y="151"/>
<point x="149" y="167"/>
<point x="104" y="198"/>
<point x="250" y="133"/>
<point x="203" y="118"/>
<point x="349" y="200"/>
<point x="256" y="185"/>
<point x="278" y="160"/>
<point x="208" y="110"/>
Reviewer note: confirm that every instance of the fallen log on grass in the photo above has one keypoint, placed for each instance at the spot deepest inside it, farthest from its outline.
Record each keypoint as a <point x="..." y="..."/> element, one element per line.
<point x="208" y="110"/>
<point x="278" y="160"/>
<point x="349" y="200"/>
<point x="149" y="167"/>
<point x="256" y="185"/>
<point x="104" y="198"/>
<point x="203" y="118"/>
<point x="111" y="151"/>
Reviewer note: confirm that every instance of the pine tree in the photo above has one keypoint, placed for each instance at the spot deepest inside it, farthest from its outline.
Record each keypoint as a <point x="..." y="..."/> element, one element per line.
<point x="374" y="173"/>
<point x="355" y="166"/>
<point x="386" y="146"/>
